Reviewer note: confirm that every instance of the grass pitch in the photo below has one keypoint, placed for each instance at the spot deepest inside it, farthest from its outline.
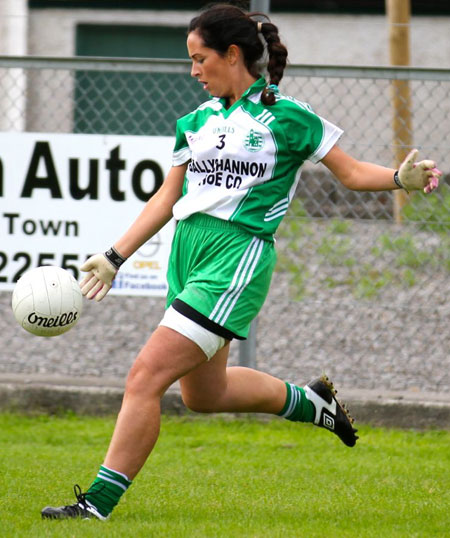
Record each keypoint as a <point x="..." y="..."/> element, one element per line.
<point x="223" y="477"/>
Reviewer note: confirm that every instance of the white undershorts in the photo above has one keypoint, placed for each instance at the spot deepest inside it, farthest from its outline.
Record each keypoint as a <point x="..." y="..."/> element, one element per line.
<point x="209" y="342"/>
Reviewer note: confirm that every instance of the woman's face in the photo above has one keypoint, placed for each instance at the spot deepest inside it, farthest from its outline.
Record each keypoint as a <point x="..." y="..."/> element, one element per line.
<point x="208" y="67"/>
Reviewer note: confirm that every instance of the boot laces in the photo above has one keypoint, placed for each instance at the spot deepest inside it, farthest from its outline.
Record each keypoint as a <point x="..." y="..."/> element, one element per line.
<point x="81" y="504"/>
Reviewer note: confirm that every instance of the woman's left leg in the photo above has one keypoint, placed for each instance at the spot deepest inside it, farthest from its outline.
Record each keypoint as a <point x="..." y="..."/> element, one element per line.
<point x="214" y="387"/>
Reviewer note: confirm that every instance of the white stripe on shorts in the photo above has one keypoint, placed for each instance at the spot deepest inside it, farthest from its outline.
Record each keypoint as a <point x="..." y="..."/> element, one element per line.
<point x="241" y="278"/>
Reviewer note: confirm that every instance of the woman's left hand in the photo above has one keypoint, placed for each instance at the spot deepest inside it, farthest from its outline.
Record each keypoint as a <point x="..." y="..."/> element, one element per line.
<point x="415" y="176"/>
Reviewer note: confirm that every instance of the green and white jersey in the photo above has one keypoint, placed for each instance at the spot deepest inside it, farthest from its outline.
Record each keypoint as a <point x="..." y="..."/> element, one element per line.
<point x="245" y="161"/>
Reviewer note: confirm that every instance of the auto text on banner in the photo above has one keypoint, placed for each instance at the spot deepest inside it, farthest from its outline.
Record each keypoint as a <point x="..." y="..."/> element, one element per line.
<point x="64" y="197"/>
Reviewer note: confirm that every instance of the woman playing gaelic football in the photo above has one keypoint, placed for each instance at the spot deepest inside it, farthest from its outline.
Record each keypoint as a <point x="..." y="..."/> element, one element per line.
<point x="235" y="167"/>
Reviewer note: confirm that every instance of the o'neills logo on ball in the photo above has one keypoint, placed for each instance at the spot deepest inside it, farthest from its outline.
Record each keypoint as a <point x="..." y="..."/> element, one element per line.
<point x="59" y="321"/>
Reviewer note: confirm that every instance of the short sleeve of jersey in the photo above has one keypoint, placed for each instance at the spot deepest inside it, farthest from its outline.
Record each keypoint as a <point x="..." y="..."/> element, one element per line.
<point x="309" y="136"/>
<point x="181" y="150"/>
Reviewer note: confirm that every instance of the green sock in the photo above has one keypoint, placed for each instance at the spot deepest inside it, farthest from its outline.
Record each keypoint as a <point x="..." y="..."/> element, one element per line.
<point x="105" y="491"/>
<point x="297" y="407"/>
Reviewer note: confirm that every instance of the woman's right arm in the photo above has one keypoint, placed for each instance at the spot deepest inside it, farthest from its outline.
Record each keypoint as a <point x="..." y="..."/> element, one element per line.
<point x="102" y="268"/>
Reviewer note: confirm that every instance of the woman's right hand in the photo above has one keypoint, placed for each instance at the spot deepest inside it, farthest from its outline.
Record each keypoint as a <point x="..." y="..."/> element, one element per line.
<point x="99" y="278"/>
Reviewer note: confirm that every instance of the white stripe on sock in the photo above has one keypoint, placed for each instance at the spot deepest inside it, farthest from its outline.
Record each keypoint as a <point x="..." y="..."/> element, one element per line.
<point x="116" y="472"/>
<point x="103" y="476"/>
<point x="293" y="402"/>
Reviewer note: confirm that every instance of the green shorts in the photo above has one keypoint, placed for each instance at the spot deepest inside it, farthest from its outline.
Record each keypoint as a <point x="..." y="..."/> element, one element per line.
<point x="219" y="274"/>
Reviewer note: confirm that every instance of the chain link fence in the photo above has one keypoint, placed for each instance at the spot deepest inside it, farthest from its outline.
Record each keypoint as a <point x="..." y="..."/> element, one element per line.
<point x="356" y="292"/>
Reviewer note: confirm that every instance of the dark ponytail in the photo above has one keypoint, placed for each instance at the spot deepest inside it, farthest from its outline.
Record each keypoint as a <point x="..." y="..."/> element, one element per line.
<point x="277" y="60"/>
<point x="222" y="25"/>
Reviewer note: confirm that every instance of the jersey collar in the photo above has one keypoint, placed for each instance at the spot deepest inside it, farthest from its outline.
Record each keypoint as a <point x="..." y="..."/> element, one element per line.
<point x="257" y="86"/>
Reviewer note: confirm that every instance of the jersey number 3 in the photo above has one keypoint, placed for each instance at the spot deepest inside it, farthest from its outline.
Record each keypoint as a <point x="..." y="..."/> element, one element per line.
<point x="221" y="144"/>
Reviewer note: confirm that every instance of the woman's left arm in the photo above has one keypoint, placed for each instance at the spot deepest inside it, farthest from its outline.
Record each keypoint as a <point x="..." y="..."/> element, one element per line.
<point x="364" y="176"/>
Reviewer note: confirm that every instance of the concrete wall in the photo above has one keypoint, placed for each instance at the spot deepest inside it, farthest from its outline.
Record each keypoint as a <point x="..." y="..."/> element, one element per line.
<point x="311" y="39"/>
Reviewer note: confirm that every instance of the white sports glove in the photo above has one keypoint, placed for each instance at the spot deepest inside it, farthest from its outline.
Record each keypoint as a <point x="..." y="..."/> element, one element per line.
<point x="413" y="176"/>
<point x="101" y="270"/>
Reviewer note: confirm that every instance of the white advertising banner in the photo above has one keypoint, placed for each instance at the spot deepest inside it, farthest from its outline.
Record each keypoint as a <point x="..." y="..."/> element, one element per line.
<point x="64" y="197"/>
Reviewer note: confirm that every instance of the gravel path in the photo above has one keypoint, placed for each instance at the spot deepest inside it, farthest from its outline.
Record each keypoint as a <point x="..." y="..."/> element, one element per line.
<point x="397" y="341"/>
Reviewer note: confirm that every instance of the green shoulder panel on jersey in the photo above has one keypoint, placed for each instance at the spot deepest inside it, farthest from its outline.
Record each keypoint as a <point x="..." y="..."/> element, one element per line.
<point x="303" y="128"/>
<point x="191" y="123"/>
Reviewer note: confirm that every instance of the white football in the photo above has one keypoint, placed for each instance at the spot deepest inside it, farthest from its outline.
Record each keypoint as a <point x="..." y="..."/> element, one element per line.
<point x="47" y="301"/>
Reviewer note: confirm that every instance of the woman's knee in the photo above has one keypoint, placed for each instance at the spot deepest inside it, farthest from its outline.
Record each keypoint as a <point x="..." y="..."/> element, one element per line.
<point x="165" y="357"/>
<point x="144" y="379"/>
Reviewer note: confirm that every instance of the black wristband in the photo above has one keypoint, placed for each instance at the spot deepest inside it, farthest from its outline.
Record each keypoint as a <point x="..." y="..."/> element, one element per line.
<point x="114" y="257"/>
<point x="397" y="180"/>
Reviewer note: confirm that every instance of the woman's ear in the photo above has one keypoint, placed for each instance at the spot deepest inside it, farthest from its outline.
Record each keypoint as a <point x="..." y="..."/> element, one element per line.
<point x="233" y="54"/>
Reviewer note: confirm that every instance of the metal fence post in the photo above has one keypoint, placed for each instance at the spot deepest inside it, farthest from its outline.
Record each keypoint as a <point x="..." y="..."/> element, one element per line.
<point x="260" y="5"/>
<point x="247" y="348"/>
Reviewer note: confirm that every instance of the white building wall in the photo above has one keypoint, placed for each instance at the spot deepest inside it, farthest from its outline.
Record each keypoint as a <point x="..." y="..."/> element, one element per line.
<point x="13" y="27"/>
<point x="311" y="38"/>
<point x="13" y="42"/>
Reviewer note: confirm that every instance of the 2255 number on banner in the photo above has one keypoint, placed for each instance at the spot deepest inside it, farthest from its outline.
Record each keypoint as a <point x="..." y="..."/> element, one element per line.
<point x="18" y="263"/>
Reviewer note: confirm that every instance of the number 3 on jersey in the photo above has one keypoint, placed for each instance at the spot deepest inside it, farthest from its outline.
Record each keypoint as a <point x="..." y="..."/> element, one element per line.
<point x="221" y="144"/>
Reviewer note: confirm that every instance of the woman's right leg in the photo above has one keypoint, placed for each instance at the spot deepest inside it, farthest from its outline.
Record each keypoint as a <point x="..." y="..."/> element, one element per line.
<point x="166" y="357"/>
